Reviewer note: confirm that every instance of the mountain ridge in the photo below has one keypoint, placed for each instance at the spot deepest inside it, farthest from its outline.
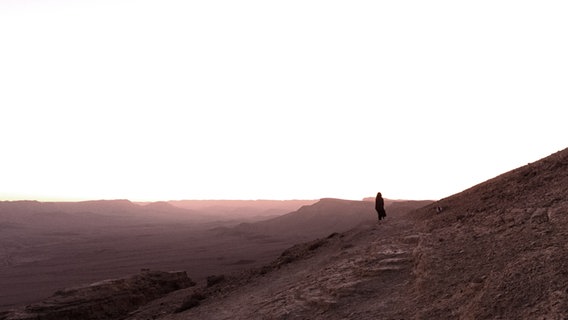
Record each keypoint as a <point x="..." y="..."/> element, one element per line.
<point x="494" y="251"/>
<point x="326" y="216"/>
<point x="93" y="211"/>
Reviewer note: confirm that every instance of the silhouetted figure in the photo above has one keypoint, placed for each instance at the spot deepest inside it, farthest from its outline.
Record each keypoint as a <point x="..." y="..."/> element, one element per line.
<point x="380" y="206"/>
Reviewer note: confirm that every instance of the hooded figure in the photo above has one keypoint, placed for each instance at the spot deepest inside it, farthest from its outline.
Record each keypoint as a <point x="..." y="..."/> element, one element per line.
<point x="380" y="206"/>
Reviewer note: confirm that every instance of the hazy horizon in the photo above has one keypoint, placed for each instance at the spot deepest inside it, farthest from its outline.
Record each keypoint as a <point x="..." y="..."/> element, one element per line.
<point x="168" y="200"/>
<point x="155" y="100"/>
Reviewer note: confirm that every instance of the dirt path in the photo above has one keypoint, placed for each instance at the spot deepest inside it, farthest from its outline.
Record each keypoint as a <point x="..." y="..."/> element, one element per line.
<point x="360" y="274"/>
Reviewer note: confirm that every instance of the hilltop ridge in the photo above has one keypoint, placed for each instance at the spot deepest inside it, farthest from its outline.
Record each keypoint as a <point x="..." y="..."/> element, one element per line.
<point x="495" y="251"/>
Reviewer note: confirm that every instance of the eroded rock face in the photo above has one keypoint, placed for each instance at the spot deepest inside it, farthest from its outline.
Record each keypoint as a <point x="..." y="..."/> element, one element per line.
<point x="109" y="299"/>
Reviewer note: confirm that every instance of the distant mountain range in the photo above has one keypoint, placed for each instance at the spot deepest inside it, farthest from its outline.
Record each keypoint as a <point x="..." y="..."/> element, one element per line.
<point x="242" y="209"/>
<point x="111" y="212"/>
<point x="313" y="218"/>
<point x="326" y="216"/>
<point x="89" y="213"/>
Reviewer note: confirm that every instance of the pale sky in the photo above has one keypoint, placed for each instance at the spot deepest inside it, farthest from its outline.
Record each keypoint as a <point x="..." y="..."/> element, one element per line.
<point x="182" y="99"/>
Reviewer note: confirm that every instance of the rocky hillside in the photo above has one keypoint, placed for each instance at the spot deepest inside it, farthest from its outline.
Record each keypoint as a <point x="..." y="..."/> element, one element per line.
<point x="495" y="251"/>
<point x="498" y="249"/>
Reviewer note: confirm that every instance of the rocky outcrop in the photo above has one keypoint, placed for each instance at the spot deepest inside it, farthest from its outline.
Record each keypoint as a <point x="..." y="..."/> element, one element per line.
<point x="109" y="299"/>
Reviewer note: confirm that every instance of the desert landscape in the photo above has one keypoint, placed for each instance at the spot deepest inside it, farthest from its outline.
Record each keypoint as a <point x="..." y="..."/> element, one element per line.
<point x="51" y="246"/>
<point x="496" y="250"/>
<point x="283" y="160"/>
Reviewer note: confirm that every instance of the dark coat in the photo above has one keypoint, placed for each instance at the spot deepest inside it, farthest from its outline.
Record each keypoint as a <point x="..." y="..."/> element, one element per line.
<point x="379" y="204"/>
<point x="380" y="207"/>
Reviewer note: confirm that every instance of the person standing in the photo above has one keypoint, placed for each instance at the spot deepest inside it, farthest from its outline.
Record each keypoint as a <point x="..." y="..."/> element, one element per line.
<point x="380" y="206"/>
